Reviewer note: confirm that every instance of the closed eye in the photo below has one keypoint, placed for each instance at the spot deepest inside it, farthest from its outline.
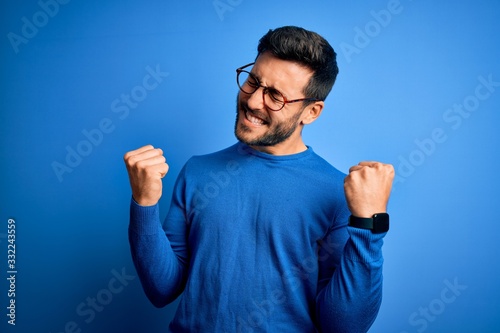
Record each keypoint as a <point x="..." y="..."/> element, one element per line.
<point x="253" y="82"/>
<point x="275" y="95"/>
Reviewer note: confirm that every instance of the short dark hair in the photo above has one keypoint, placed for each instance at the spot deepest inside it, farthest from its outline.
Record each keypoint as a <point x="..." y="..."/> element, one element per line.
<point x="306" y="48"/>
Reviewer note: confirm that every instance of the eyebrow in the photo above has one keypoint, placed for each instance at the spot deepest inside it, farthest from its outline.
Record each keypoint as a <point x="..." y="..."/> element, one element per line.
<point x="268" y="87"/>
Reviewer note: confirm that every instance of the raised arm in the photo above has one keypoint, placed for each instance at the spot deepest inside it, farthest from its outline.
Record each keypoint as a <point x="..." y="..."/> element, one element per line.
<point x="160" y="264"/>
<point x="350" y="286"/>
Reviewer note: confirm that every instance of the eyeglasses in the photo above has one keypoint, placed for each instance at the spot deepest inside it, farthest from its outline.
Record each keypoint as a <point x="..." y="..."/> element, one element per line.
<point x="273" y="99"/>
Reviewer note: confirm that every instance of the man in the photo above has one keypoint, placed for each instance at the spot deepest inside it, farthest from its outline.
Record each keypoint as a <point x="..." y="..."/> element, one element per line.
<point x="257" y="236"/>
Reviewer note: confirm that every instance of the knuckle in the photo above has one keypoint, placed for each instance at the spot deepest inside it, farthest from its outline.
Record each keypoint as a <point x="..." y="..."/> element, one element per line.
<point x="132" y="159"/>
<point x="389" y="168"/>
<point x="127" y="157"/>
<point x="140" y="165"/>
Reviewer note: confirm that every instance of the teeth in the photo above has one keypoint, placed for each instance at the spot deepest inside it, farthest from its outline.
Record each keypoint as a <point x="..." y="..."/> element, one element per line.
<point x="254" y="120"/>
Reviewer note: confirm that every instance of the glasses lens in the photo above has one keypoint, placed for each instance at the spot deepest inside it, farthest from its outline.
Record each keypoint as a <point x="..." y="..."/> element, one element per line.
<point x="274" y="99"/>
<point x="247" y="82"/>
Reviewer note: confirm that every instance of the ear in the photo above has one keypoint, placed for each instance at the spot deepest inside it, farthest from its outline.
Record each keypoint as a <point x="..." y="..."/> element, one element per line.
<point x="312" y="112"/>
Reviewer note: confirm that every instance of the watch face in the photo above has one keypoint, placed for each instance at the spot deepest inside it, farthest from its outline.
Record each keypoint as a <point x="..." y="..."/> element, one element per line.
<point x="380" y="223"/>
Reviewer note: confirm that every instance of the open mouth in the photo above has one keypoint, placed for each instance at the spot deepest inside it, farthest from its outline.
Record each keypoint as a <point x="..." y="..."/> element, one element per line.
<point x="254" y="120"/>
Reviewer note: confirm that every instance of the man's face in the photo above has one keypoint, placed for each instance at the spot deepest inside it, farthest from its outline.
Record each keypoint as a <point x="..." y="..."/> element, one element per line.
<point x="258" y="126"/>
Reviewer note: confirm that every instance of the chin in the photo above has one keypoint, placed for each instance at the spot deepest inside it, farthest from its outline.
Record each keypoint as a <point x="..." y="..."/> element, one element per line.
<point x="242" y="131"/>
<point x="240" y="135"/>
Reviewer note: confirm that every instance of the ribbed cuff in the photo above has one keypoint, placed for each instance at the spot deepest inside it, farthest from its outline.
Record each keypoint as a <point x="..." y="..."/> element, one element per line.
<point x="364" y="246"/>
<point x="144" y="220"/>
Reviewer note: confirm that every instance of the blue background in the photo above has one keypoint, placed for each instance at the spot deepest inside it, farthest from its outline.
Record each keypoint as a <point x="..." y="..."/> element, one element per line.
<point x="404" y="67"/>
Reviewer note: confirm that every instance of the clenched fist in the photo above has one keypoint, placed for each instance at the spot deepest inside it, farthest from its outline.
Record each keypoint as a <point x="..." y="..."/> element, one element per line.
<point x="367" y="188"/>
<point x="146" y="167"/>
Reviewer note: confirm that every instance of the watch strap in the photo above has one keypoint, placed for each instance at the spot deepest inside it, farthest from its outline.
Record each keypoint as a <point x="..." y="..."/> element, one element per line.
<point x="361" y="222"/>
<point x="379" y="223"/>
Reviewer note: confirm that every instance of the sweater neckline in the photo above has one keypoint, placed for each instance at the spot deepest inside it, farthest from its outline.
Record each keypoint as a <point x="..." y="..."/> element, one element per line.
<point x="243" y="147"/>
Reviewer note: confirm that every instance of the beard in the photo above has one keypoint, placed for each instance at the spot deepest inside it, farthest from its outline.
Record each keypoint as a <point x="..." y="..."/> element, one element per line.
<point x="277" y="131"/>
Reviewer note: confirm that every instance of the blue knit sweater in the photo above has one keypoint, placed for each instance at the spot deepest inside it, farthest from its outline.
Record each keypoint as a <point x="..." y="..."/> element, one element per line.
<point x="259" y="243"/>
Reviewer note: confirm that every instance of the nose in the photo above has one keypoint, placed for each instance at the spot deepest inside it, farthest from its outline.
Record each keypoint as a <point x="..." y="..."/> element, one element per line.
<point x="255" y="101"/>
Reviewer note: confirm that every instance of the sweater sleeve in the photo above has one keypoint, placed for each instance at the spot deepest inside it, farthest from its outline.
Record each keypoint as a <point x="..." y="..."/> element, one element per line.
<point x="160" y="255"/>
<point x="350" y="282"/>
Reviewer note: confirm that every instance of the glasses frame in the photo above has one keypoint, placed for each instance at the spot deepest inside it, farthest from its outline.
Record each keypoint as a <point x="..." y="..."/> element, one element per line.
<point x="266" y="89"/>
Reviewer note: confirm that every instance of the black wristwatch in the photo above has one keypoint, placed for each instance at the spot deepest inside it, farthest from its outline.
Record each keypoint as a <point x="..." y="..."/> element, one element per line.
<point x="378" y="223"/>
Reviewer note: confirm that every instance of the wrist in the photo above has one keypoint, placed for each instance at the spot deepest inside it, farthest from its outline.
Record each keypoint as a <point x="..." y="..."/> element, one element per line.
<point x="368" y="212"/>
<point x="144" y="202"/>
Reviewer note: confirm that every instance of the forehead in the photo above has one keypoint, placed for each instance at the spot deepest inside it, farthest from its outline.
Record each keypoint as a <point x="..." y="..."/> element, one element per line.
<point x="287" y="76"/>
